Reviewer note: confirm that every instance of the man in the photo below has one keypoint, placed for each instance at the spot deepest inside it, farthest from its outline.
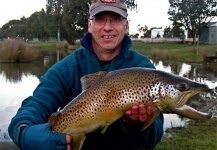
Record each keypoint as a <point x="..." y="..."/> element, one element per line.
<point x="105" y="47"/>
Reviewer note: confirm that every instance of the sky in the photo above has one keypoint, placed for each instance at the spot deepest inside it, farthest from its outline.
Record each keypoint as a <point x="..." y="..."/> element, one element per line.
<point x="152" y="13"/>
<point x="16" y="9"/>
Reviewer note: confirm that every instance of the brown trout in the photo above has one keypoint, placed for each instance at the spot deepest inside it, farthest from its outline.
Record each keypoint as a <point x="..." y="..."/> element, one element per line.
<point x="106" y="96"/>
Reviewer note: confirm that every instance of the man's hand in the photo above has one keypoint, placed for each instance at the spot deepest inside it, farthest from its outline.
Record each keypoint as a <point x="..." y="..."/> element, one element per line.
<point x="41" y="137"/>
<point x="137" y="113"/>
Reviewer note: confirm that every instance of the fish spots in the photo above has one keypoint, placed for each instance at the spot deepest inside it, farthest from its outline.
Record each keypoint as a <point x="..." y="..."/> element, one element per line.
<point x="154" y="92"/>
<point x="172" y="91"/>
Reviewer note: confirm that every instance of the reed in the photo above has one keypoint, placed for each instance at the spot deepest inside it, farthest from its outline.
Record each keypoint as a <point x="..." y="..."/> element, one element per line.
<point x="155" y="53"/>
<point x="15" y="50"/>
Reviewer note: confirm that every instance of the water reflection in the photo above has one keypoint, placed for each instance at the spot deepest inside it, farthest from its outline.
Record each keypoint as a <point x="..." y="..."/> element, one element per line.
<point x="19" y="80"/>
<point x="206" y="74"/>
<point x="11" y="96"/>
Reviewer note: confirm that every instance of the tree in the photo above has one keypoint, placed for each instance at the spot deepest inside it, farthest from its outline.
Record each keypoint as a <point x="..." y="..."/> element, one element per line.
<point x="34" y="26"/>
<point x="54" y="16"/>
<point x="174" y="31"/>
<point x="144" y="31"/>
<point x="168" y="32"/>
<point x="68" y="17"/>
<point x="74" y="21"/>
<point x="192" y="15"/>
<point x="15" y="28"/>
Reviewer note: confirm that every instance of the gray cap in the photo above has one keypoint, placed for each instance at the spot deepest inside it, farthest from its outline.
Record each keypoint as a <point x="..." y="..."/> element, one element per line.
<point x="117" y="6"/>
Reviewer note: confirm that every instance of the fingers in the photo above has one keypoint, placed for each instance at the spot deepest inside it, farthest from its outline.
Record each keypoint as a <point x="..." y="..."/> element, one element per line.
<point x="149" y="110"/>
<point x="139" y="112"/>
<point x="135" y="113"/>
<point x="143" y="115"/>
<point x="68" y="142"/>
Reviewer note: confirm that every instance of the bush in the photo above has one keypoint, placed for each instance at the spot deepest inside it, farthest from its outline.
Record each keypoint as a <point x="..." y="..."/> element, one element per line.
<point x="16" y="50"/>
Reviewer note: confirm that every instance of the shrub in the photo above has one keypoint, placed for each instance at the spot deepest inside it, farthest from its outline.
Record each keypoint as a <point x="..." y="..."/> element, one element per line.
<point x="155" y="53"/>
<point x="16" y="50"/>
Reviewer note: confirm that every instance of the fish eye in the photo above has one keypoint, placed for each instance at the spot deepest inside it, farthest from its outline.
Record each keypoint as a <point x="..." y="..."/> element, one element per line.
<point x="181" y="87"/>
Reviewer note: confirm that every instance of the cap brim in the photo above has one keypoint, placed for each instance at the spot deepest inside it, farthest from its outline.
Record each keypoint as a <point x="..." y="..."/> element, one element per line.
<point x="108" y="8"/>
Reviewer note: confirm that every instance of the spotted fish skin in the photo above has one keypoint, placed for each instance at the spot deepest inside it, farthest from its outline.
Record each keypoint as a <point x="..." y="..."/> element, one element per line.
<point x="106" y="96"/>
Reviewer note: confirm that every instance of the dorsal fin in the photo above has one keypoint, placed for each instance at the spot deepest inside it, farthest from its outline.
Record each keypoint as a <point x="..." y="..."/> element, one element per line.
<point x="88" y="80"/>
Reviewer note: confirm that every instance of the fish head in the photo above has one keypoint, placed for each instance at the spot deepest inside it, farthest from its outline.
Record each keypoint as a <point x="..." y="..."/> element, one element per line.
<point x="175" y="91"/>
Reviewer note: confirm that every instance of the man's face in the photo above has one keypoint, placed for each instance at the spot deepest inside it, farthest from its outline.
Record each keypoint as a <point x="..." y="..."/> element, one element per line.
<point x="108" y="30"/>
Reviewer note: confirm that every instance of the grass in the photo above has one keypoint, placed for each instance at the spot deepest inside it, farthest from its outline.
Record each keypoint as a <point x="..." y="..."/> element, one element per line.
<point x="198" y="135"/>
<point x="52" y="46"/>
<point x="160" y="51"/>
<point x="175" y="51"/>
<point x="15" y="50"/>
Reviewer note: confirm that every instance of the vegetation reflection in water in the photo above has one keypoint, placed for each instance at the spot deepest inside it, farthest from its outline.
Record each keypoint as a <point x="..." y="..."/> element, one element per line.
<point x="20" y="80"/>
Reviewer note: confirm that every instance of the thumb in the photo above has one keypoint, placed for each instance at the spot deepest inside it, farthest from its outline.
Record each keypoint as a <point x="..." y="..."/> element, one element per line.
<point x="68" y="139"/>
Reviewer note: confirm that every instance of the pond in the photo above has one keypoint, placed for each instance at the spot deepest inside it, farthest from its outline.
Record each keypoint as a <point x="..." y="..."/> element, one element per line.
<point x="19" y="80"/>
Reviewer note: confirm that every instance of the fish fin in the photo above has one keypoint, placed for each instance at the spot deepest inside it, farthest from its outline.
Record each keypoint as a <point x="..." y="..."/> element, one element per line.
<point x="150" y="120"/>
<point x="104" y="129"/>
<point x="53" y="118"/>
<point x="189" y="112"/>
<point x="77" y="142"/>
<point x="88" y="80"/>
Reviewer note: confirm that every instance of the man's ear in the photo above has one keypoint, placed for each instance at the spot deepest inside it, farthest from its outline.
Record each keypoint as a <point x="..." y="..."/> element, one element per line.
<point x="89" y="26"/>
<point x="127" y="27"/>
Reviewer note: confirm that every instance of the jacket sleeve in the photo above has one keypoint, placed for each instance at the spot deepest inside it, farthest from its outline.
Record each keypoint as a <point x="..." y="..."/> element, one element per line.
<point x="51" y="93"/>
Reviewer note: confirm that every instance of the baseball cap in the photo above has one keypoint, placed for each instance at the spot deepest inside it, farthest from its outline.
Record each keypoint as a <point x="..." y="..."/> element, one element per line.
<point x="117" y="6"/>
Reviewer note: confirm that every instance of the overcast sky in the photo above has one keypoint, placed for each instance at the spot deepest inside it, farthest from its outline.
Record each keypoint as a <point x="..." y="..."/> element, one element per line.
<point x="152" y="13"/>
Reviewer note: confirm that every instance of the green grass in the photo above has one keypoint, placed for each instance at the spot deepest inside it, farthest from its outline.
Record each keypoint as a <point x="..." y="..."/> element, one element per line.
<point x="47" y="46"/>
<point x="160" y="51"/>
<point x="178" y="52"/>
<point x="198" y="135"/>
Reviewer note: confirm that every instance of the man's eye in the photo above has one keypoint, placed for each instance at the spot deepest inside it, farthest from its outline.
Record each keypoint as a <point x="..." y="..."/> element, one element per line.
<point x="116" y="19"/>
<point x="99" y="19"/>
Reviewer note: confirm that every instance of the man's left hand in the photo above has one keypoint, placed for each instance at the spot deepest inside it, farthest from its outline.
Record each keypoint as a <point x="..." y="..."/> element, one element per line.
<point x="137" y="113"/>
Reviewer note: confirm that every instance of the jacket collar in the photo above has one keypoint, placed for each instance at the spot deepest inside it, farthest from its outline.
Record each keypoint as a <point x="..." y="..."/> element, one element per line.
<point x="87" y="38"/>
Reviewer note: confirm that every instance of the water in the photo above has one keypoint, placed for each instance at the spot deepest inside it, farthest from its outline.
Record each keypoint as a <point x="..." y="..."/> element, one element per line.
<point x="17" y="81"/>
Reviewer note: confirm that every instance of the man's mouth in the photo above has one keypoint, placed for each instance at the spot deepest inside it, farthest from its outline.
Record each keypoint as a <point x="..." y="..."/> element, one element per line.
<point x="108" y="36"/>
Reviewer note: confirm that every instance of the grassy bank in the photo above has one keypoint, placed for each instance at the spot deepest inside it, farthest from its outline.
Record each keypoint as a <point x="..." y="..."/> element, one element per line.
<point x="175" y="51"/>
<point x="198" y="135"/>
<point x="162" y="51"/>
<point x="49" y="46"/>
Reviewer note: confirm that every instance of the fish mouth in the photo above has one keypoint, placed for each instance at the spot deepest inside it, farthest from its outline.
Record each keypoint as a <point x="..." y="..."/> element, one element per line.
<point x="183" y="99"/>
<point x="182" y="109"/>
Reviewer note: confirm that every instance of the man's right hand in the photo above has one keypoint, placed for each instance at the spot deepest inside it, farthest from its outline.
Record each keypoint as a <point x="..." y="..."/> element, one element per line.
<point x="41" y="137"/>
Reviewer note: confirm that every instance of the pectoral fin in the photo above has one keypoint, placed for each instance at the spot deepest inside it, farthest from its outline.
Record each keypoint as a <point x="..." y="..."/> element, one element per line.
<point x="150" y="120"/>
<point x="77" y="142"/>
<point x="189" y="112"/>
<point x="104" y="128"/>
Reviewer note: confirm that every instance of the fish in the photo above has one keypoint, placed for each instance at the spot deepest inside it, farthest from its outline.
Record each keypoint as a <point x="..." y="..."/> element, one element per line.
<point x="106" y="96"/>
